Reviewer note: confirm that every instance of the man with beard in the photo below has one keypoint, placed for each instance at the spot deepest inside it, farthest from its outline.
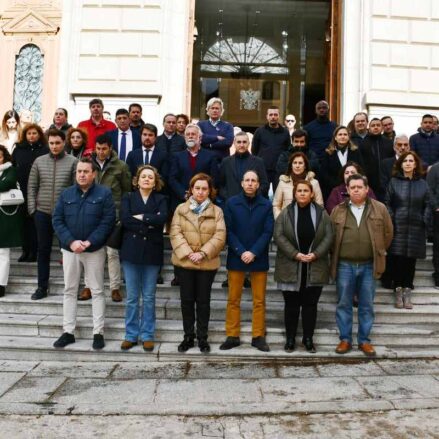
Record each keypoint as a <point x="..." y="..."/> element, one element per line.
<point x="320" y="129"/>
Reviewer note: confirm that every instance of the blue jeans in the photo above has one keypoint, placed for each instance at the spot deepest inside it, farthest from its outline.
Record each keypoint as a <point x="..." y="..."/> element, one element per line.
<point x="140" y="280"/>
<point x="355" y="279"/>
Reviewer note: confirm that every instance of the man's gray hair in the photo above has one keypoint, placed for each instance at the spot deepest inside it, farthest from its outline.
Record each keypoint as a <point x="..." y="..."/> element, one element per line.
<point x="400" y="136"/>
<point x="212" y="101"/>
<point x="193" y="125"/>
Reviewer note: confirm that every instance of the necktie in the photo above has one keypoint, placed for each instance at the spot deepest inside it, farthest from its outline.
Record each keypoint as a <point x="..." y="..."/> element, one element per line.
<point x="123" y="146"/>
<point x="147" y="156"/>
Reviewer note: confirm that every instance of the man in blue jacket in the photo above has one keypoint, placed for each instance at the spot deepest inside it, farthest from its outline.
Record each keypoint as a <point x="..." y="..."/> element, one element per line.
<point x="426" y="142"/>
<point x="249" y="220"/>
<point x="83" y="219"/>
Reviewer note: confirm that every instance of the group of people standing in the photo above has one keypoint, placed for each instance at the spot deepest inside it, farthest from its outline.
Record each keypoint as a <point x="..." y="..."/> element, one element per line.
<point x="340" y="209"/>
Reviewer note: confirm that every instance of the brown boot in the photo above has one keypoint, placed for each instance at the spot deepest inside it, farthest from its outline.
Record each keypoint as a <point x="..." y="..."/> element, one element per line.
<point x="116" y="296"/>
<point x="85" y="294"/>
<point x="399" y="298"/>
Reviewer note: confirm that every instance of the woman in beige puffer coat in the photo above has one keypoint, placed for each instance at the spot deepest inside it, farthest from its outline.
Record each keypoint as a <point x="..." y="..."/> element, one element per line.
<point x="298" y="169"/>
<point x="198" y="234"/>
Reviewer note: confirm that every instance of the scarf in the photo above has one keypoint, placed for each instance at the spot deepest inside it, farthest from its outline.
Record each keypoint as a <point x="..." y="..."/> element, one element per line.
<point x="198" y="208"/>
<point x="4" y="166"/>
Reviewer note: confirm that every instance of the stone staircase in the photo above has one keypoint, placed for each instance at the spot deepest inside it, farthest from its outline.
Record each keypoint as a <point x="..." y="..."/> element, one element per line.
<point x="28" y="328"/>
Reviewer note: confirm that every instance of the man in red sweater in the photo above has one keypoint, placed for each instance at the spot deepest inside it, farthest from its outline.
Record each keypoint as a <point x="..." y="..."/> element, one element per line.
<point x="96" y="125"/>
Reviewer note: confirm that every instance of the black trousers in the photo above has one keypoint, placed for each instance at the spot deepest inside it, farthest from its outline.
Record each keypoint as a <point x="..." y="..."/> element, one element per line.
<point x="403" y="271"/>
<point x="307" y="300"/>
<point x="30" y="243"/>
<point x="195" y="288"/>
<point x="436" y="245"/>
<point x="43" y="225"/>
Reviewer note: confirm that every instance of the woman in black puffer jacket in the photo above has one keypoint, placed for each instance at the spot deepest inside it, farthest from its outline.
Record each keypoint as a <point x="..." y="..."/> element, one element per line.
<point x="408" y="202"/>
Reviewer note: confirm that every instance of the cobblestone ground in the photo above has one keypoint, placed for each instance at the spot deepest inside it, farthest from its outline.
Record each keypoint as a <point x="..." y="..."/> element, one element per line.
<point x="379" y="399"/>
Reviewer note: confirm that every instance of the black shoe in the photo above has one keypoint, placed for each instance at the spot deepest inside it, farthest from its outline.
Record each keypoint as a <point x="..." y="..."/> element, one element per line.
<point x="186" y="344"/>
<point x="247" y="283"/>
<point x="309" y="345"/>
<point x="32" y="257"/>
<point x="2" y="290"/>
<point x="225" y="284"/>
<point x="40" y="293"/>
<point x="160" y="280"/>
<point x="64" y="340"/>
<point x="23" y="257"/>
<point x="175" y="282"/>
<point x="290" y="345"/>
<point x="260" y="344"/>
<point x="230" y="343"/>
<point x="203" y="345"/>
<point x="98" y="341"/>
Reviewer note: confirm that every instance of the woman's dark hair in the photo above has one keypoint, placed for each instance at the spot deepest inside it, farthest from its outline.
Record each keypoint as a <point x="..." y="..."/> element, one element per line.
<point x="158" y="182"/>
<point x="6" y="155"/>
<point x="333" y="145"/>
<point x="9" y="115"/>
<point x="33" y="126"/>
<point x="203" y="177"/>
<point x="349" y="163"/>
<point x="184" y="117"/>
<point x="83" y="134"/>
<point x="397" y="167"/>
<point x="306" y="183"/>
<point x="289" y="171"/>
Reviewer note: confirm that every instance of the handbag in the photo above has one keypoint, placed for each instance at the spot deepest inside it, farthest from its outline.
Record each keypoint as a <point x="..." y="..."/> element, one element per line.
<point x="115" y="238"/>
<point x="12" y="197"/>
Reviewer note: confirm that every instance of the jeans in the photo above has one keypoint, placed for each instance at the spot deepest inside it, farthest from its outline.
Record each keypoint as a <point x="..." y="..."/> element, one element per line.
<point x="140" y="280"/>
<point x="355" y="278"/>
<point x="195" y="288"/>
<point x="43" y="224"/>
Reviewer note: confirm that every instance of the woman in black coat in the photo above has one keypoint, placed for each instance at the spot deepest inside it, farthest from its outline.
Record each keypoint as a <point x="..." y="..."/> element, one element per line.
<point x="143" y="214"/>
<point x="340" y="151"/>
<point x="408" y="202"/>
<point x="33" y="144"/>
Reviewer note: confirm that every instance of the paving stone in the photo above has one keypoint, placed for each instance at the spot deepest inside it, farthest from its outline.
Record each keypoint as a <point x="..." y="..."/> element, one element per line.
<point x="104" y="395"/>
<point x="219" y="392"/>
<point x="32" y="390"/>
<point x="410" y="367"/>
<point x="389" y="388"/>
<point x="426" y="386"/>
<point x="155" y="370"/>
<point x="17" y="366"/>
<point x="73" y="369"/>
<point x="305" y="371"/>
<point x="296" y="390"/>
<point x="349" y="370"/>
<point x="231" y="370"/>
<point x="8" y="379"/>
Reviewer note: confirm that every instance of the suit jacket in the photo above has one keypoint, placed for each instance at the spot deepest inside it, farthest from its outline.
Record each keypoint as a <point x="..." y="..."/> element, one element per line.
<point x="181" y="172"/>
<point x="159" y="160"/>
<point x="175" y="144"/>
<point x="230" y="182"/>
<point x="386" y="171"/>
<point x="114" y="136"/>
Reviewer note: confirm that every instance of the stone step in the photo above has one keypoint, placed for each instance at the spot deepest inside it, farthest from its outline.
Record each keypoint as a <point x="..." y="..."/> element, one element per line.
<point x="40" y="349"/>
<point x="170" y="309"/>
<point x="171" y="331"/>
<point x="421" y="295"/>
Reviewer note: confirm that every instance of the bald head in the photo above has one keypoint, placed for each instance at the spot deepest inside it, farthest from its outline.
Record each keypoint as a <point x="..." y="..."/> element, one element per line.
<point x="322" y="109"/>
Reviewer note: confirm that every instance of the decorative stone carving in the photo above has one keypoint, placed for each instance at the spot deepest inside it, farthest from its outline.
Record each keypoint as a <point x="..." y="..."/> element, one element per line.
<point x="30" y="22"/>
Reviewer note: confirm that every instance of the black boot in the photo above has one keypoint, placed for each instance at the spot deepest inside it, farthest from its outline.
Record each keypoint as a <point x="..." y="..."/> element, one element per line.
<point x="2" y="290"/>
<point x="290" y="344"/>
<point x="203" y="345"/>
<point x="186" y="344"/>
<point x="23" y="257"/>
<point x="309" y="345"/>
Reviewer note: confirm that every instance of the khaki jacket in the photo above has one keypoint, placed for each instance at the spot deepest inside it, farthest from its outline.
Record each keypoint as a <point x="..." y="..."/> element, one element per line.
<point x="192" y="233"/>
<point x="284" y="193"/>
<point x="379" y="225"/>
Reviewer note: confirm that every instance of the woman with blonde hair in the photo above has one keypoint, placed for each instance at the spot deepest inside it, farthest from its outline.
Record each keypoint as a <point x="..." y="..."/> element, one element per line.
<point x="143" y="214"/>
<point x="198" y="234"/>
<point x="10" y="130"/>
<point x="298" y="169"/>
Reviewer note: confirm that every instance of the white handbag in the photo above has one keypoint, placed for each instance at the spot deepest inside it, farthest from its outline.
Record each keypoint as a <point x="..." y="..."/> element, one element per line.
<point x="12" y="197"/>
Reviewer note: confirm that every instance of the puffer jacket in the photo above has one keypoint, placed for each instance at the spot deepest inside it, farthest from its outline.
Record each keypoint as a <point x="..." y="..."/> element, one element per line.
<point x="426" y="146"/>
<point x="193" y="233"/>
<point x="408" y="203"/>
<point x="284" y="192"/>
<point x="287" y="268"/>
<point x="49" y="176"/>
<point x="116" y="176"/>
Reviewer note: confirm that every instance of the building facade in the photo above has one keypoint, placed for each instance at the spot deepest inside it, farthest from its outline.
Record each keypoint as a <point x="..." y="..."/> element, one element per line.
<point x="172" y="55"/>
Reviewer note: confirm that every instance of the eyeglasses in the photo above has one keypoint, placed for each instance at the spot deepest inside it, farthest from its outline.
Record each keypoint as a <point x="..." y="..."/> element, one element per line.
<point x="289" y="120"/>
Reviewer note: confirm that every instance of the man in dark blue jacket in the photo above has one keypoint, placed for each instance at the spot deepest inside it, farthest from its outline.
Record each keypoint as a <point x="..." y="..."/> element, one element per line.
<point x="249" y="220"/>
<point x="170" y="142"/>
<point x="83" y="219"/>
<point x="426" y="142"/>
